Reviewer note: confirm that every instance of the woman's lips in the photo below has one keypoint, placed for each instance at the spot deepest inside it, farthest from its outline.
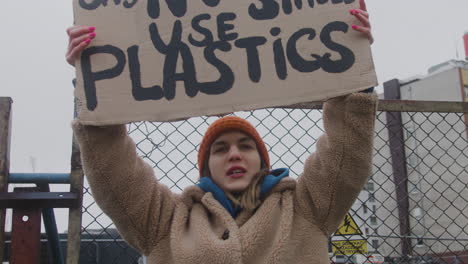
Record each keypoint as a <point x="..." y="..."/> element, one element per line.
<point x="236" y="172"/>
<point x="236" y="175"/>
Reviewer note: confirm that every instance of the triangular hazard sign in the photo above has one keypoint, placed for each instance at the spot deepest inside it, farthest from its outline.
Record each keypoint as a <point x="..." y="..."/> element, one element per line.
<point x="348" y="227"/>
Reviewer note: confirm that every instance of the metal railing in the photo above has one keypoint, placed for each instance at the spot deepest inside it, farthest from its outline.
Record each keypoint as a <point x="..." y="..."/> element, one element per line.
<point x="32" y="203"/>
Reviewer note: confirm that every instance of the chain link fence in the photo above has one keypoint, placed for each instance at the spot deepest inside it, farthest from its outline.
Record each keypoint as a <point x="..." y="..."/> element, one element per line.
<point x="414" y="209"/>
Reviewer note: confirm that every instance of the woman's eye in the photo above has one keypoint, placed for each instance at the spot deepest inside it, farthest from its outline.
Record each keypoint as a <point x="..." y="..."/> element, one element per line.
<point x="246" y="146"/>
<point x="220" y="149"/>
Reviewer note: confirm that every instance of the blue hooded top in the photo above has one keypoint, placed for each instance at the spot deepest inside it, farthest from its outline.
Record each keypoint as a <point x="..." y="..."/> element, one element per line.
<point x="207" y="185"/>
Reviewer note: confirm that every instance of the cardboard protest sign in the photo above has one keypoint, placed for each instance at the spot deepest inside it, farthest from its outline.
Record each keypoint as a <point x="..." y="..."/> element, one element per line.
<point x="165" y="60"/>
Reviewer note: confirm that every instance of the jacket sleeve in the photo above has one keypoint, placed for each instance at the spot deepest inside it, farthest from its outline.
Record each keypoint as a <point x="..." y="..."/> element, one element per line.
<point x="335" y="174"/>
<point x="124" y="186"/>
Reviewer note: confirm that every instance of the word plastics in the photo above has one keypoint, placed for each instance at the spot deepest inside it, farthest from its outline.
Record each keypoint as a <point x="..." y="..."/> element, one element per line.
<point x="225" y="39"/>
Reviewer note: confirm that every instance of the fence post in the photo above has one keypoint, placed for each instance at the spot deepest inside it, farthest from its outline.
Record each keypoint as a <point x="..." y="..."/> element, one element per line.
<point x="463" y="85"/>
<point x="75" y="216"/>
<point x="400" y="174"/>
<point x="5" y="137"/>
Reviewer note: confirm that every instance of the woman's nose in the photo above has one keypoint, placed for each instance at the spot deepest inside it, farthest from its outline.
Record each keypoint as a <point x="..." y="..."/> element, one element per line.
<point x="234" y="153"/>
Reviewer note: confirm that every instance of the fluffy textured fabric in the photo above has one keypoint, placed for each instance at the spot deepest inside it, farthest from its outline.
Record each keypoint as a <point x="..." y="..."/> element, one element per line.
<point x="229" y="123"/>
<point x="291" y="226"/>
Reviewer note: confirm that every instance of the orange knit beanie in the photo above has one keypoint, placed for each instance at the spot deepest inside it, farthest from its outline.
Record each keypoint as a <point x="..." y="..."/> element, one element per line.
<point x="225" y="124"/>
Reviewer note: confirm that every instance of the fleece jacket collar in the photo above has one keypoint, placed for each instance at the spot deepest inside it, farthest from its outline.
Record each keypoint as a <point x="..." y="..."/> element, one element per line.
<point x="207" y="185"/>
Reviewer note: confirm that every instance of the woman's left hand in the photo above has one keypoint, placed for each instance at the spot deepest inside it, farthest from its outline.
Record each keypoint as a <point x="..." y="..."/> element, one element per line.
<point x="362" y="15"/>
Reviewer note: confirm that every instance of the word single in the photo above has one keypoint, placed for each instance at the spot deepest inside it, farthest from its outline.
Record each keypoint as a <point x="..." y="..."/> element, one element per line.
<point x="261" y="10"/>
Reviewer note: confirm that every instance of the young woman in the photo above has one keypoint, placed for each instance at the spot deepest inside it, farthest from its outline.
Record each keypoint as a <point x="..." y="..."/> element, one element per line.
<point x="241" y="211"/>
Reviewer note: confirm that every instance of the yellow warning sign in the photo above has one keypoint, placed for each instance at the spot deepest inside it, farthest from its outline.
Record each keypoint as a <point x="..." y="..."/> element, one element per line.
<point x="349" y="247"/>
<point x="348" y="227"/>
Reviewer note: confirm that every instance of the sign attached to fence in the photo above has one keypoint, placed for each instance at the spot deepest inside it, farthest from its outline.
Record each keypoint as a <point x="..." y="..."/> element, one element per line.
<point x="165" y="60"/>
<point x="348" y="227"/>
<point x="349" y="247"/>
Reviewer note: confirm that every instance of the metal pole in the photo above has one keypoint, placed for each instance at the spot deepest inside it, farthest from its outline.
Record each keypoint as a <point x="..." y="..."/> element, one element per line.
<point x="39" y="178"/>
<point x="51" y="229"/>
<point x="5" y="138"/>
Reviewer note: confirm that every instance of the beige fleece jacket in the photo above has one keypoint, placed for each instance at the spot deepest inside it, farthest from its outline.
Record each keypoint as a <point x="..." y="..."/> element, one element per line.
<point x="291" y="226"/>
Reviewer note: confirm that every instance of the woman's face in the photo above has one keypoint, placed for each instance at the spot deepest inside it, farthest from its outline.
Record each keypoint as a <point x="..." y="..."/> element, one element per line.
<point x="233" y="162"/>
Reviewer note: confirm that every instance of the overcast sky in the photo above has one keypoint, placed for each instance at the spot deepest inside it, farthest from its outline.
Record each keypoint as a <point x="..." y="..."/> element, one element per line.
<point x="410" y="36"/>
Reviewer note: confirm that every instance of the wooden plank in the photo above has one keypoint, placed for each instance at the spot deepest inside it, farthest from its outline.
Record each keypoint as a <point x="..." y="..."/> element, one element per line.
<point x="74" y="217"/>
<point x="394" y="105"/>
<point x="26" y="234"/>
<point x="400" y="174"/>
<point x="5" y="139"/>
<point x="422" y="106"/>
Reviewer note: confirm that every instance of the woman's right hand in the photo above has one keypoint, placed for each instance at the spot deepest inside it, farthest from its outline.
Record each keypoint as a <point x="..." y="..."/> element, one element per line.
<point x="79" y="38"/>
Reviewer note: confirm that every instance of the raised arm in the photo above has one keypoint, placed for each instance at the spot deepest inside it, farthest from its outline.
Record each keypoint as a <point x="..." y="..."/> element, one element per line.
<point x="335" y="174"/>
<point x="124" y="186"/>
